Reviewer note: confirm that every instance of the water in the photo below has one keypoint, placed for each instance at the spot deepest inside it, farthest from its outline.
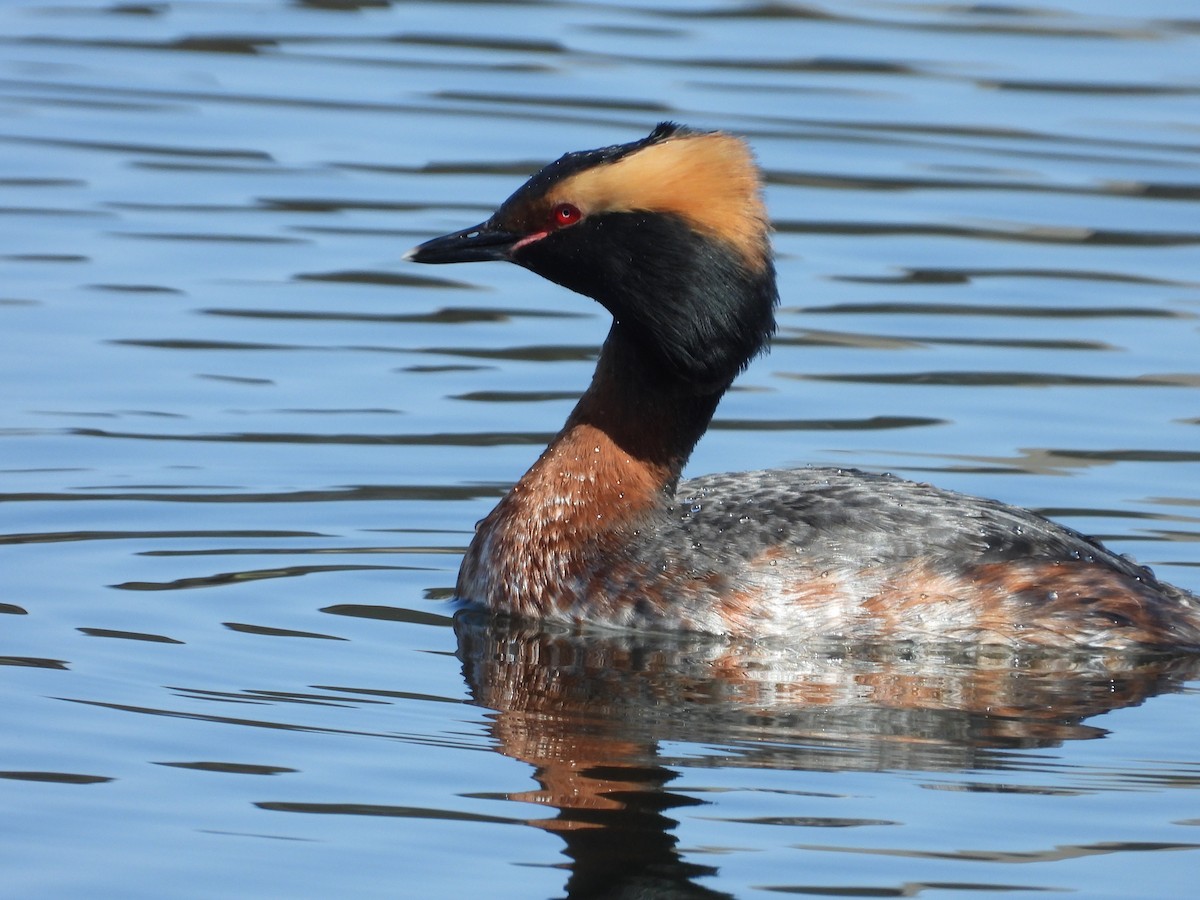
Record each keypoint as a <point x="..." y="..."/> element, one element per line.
<point x="220" y="377"/>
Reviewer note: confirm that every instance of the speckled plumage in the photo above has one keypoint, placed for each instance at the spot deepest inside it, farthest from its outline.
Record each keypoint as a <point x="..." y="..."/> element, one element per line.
<point x="838" y="553"/>
<point x="670" y="235"/>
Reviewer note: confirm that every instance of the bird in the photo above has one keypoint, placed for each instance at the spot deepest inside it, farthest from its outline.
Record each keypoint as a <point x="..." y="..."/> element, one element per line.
<point x="670" y="234"/>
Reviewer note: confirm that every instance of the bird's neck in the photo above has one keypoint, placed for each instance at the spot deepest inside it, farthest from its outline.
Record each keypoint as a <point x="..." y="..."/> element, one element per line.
<point x="607" y="474"/>
<point x="634" y="418"/>
<point x="620" y="453"/>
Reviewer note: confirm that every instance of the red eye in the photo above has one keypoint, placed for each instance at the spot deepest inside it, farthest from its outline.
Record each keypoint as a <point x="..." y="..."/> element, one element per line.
<point x="565" y="214"/>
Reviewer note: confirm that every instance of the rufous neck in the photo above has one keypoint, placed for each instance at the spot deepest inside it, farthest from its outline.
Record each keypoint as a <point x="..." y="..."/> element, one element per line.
<point x="649" y="415"/>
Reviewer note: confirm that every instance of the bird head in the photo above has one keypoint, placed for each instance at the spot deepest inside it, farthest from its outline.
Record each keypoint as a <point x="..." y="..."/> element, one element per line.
<point x="668" y="233"/>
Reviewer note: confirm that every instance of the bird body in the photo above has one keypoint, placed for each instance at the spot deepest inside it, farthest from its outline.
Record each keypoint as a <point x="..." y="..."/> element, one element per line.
<point x="670" y="234"/>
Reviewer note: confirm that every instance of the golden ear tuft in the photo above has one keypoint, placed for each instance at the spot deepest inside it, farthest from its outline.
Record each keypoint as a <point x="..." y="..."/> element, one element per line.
<point x="708" y="179"/>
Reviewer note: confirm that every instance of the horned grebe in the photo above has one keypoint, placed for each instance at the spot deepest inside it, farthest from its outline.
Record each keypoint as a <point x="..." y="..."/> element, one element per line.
<point x="669" y="233"/>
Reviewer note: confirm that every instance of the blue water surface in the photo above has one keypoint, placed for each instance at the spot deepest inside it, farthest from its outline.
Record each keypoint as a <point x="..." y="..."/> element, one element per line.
<point x="243" y="445"/>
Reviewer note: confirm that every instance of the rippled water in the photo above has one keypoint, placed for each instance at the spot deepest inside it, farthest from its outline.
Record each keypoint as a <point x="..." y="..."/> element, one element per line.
<point x="219" y="376"/>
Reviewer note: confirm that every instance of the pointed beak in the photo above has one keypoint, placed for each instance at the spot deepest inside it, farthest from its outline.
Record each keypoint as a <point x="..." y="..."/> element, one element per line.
<point x="481" y="243"/>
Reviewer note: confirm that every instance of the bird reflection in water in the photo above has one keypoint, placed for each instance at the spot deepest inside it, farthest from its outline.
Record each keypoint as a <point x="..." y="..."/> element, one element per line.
<point x="590" y="713"/>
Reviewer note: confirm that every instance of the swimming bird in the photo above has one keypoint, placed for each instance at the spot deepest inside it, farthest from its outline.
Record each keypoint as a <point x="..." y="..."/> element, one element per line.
<point x="669" y="233"/>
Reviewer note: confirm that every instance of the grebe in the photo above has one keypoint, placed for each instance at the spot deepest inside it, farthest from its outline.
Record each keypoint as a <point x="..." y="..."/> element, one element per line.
<point x="669" y="233"/>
